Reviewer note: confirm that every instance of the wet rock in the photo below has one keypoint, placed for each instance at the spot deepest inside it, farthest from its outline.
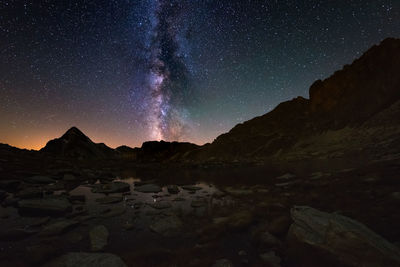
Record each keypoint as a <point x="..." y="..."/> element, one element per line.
<point x="173" y="189"/>
<point x="191" y="188"/>
<point x="115" y="187"/>
<point x="238" y="192"/>
<point x="77" y="198"/>
<point x="198" y="203"/>
<point x="98" y="237"/>
<point x="148" y="188"/>
<point x="167" y="226"/>
<point x="267" y="240"/>
<point x="222" y="263"/>
<point x="240" y="220"/>
<point x="15" y="234"/>
<point x="50" y="206"/>
<point x="271" y="259"/>
<point x="87" y="260"/>
<point x="160" y="205"/>
<point x="58" y="228"/>
<point x="179" y="199"/>
<point x="331" y="237"/>
<point x="109" y="200"/>
<point x="9" y="185"/>
<point x="114" y="211"/>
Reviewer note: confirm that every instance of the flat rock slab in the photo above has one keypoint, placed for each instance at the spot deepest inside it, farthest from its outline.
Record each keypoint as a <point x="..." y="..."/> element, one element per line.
<point x="58" y="228"/>
<point x="148" y="188"/>
<point x="87" y="260"/>
<point x="98" y="237"/>
<point x="48" y="206"/>
<point x="337" y="237"/>
<point x="109" y="200"/>
<point x="115" y="187"/>
<point x="191" y="188"/>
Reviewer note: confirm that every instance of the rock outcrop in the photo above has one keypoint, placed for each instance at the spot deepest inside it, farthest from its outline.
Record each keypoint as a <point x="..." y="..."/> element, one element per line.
<point x="336" y="240"/>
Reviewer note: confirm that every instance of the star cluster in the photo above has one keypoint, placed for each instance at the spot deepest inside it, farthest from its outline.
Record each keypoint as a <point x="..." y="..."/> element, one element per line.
<point x="126" y="71"/>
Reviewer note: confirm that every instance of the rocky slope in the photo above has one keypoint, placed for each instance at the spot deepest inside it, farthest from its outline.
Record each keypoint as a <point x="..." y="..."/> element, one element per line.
<point x="346" y="113"/>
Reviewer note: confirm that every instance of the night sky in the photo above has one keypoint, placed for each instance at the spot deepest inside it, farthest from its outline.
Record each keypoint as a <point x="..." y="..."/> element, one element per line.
<point x="128" y="71"/>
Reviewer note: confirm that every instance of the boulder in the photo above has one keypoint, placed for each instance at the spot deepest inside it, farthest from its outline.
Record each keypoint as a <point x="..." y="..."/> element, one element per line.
<point x="50" y="206"/>
<point x="87" y="259"/>
<point x="173" y="189"/>
<point x="148" y="188"/>
<point x="98" y="237"/>
<point x="330" y="238"/>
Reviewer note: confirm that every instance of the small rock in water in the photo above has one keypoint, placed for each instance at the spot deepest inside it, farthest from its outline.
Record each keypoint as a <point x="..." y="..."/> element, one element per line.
<point x="148" y="188"/>
<point x="167" y="226"/>
<point x="115" y="187"/>
<point x="191" y="188"/>
<point x="109" y="199"/>
<point x="173" y="189"/>
<point x="179" y="199"/>
<point x="198" y="203"/>
<point x="98" y="237"/>
<point x="115" y="211"/>
<point x="286" y="176"/>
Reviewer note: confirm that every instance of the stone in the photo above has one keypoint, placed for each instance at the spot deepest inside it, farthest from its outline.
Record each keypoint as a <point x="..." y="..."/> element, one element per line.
<point x="333" y="237"/>
<point x="48" y="206"/>
<point x="238" y="192"/>
<point x="109" y="199"/>
<point x="160" y="205"/>
<point x="266" y="239"/>
<point x="173" y="189"/>
<point x="222" y="263"/>
<point x="58" y="228"/>
<point x="286" y="176"/>
<point x="179" y="199"/>
<point x="167" y="226"/>
<point x="191" y="188"/>
<point x="86" y="260"/>
<point x="115" y="187"/>
<point x="148" y="188"/>
<point x="98" y="237"/>
<point x="271" y="259"/>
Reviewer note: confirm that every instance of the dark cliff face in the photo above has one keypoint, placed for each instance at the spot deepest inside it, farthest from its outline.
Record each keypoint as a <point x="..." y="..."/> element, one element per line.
<point x="75" y="144"/>
<point x="349" y="98"/>
<point x="161" y="151"/>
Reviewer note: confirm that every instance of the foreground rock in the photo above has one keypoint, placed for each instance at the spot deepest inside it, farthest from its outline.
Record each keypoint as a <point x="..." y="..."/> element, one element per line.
<point x="48" y="206"/>
<point x="87" y="260"/>
<point x="98" y="237"/>
<point x="317" y="238"/>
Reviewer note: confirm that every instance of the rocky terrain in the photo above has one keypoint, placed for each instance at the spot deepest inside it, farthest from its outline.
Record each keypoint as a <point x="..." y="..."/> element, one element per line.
<point x="315" y="182"/>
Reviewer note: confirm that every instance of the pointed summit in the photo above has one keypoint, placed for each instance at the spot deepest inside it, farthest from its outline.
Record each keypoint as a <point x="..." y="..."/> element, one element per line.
<point x="74" y="143"/>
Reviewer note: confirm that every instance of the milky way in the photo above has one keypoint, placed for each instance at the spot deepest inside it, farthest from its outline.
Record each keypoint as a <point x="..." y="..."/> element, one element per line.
<point x="168" y="75"/>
